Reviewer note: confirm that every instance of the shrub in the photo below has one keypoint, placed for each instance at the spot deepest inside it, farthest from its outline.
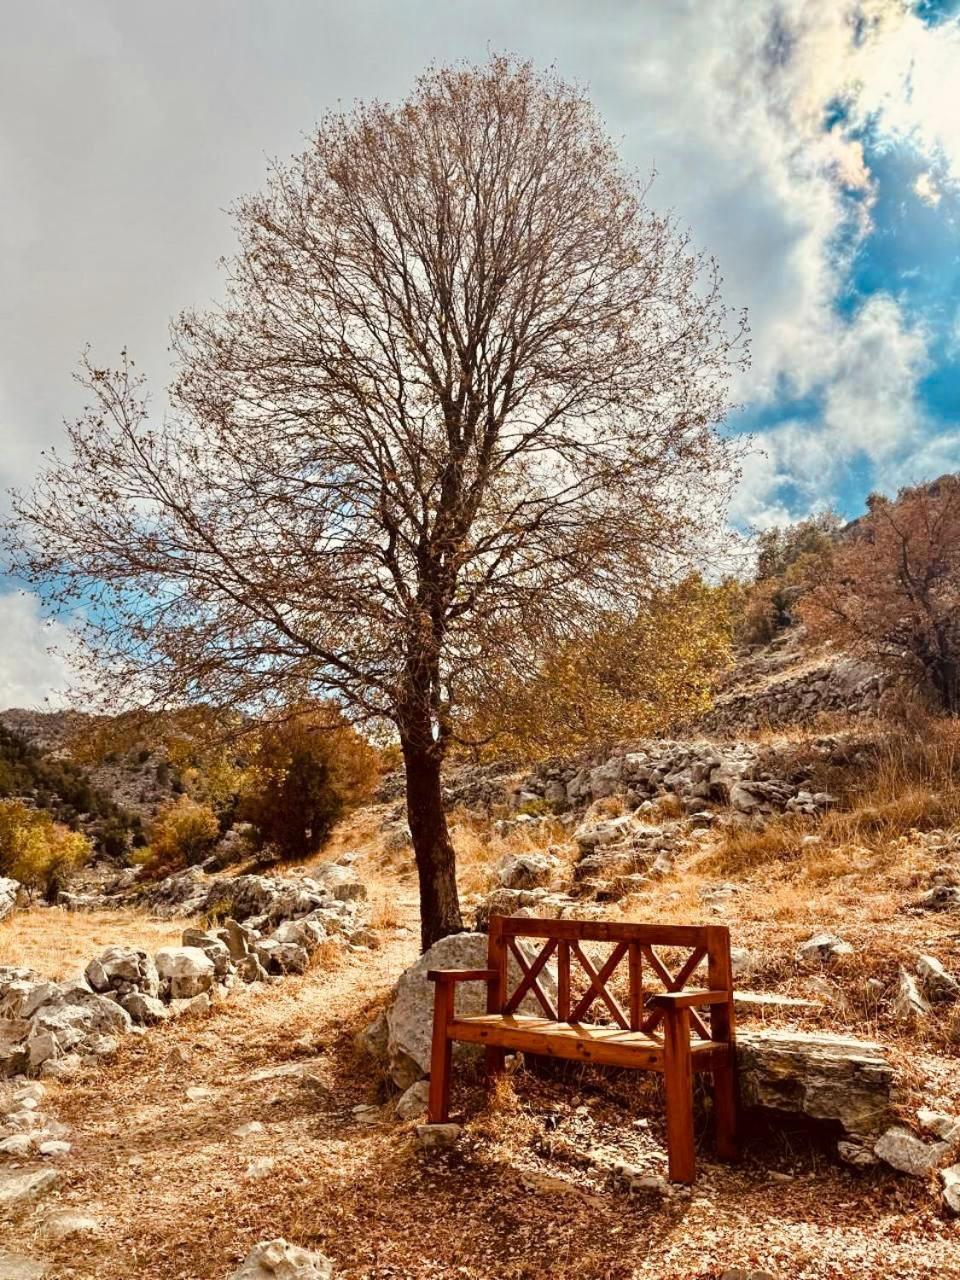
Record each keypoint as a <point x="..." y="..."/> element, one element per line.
<point x="306" y="772"/>
<point x="37" y="851"/>
<point x="182" y="834"/>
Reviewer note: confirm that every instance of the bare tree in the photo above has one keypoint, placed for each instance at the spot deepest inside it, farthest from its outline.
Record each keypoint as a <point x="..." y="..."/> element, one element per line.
<point x="465" y="388"/>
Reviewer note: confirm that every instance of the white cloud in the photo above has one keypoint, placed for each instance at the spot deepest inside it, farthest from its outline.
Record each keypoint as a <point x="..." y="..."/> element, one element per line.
<point x="925" y="188"/>
<point x="30" y="675"/>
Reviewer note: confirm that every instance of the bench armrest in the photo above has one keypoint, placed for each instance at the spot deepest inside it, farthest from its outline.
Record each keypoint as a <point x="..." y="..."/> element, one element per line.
<point x="693" y="998"/>
<point x="462" y="975"/>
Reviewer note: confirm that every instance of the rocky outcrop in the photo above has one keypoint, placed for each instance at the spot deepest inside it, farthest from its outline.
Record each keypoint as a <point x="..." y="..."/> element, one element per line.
<point x="9" y="892"/>
<point x="748" y="778"/>
<point x="823" y="1077"/>
<point x="278" y="1260"/>
<point x="799" y="697"/>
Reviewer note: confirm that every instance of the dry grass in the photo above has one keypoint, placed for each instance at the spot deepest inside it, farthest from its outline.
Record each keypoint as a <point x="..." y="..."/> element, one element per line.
<point x="59" y="944"/>
<point x="480" y="849"/>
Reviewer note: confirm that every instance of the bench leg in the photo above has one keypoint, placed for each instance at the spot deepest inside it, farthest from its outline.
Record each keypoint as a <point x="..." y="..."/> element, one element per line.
<point x="725" y="1108"/>
<point x="678" y="1085"/>
<point x="438" y="1104"/>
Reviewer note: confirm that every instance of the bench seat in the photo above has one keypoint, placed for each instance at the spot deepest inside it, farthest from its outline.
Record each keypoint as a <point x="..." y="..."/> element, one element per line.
<point x="611" y="1046"/>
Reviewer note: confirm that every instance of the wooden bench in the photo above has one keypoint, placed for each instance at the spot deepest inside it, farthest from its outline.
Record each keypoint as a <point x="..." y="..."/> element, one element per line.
<point x="657" y="1030"/>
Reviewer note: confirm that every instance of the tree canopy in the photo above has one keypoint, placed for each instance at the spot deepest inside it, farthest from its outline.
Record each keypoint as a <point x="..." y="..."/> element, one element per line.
<point x="465" y="385"/>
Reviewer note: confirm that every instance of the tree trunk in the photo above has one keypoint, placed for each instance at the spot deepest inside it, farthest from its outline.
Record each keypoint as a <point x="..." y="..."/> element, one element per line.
<point x="432" y="847"/>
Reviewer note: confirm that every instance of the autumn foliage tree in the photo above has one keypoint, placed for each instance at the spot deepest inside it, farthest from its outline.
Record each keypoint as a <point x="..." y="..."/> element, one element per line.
<point x="891" y="590"/>
<point x="628" y="677"/>
<point x="305" y="773"/>
<point x="465" y="385"/>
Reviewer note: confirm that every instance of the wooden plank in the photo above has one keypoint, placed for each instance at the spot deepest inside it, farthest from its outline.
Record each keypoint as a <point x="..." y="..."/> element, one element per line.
<point x="438" y="1102"/>
<point x="661" y="935"/>
<point x="723" y="1032"/>
<point x="678" y="1086"/>
<point x="563" y="980"/>
<point x="497" y="960"/>
<point x="587" y="1048"/>
<point x="635" y="963"/>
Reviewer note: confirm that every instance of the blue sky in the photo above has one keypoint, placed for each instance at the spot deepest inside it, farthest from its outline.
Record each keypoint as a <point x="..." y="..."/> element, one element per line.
<point x="812" y="146"/>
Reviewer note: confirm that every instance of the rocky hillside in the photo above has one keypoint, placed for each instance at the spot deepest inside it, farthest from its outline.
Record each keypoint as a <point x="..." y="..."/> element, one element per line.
<point x="137" y="778"/>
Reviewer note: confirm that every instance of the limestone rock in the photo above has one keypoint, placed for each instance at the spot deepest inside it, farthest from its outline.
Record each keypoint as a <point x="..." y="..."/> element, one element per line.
<point x="438" y="1137"/>
<point x="935" y="982"/>
<point x="20" y="1190"/>
<point x="123" y="969"/>
<point x="950" y="1178"/>
<point x="283" y="1261"/>
<point x="14" y="1054"/>
<point x="184" y="972"/>
<point x="213" y="947"/>
<point x="9" y="892"/>
<point x="529" y="871"/>
<point x="825" y="1077"/>
<point x="413" y="1101"/>
<point x="909" y="1003"/>
<point x="66" y="1224"/>
<point x="410" y="1011"/>
<point x="822" y="948"/>
<point x="341" y="883"/>
<point x="145" y="1010"/>
<point x="307" y="933"/>
<point x="903" y="1150"/>
<point x="17" y="1266"/>
<point x="282" y="957"/>
<point x="239" y="939"/>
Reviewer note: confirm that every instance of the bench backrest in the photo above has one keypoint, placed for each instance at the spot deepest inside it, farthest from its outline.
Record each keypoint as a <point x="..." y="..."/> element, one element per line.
<point x="634" y="945"/>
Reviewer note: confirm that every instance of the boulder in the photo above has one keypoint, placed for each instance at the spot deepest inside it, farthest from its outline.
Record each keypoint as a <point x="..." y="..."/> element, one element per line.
<point x="341" y="883"/>
<point x="412" y="1103"/>
<point x="123" y="969"/>
<point x="66" y="1224"/>
<point x="145" y="1010"/>
<point x="239" y="939"/>
<point x="900" y="1148"/>
<point x="78" y="1018"/>
<point x="14" y="1054"/>
<point x="529" y="871"/>
<point x="909" y="1003"/>
<point x="950" y="1178"/>
<point x="184" y="972"/>
<point x="21" y="1189"/>
<point x="212" y="946"/>
<point x="438" y="1137"/>
<point x="9" y="893"/>
<point x="17" y="1266"/>
<point x="824" y="1077"/>
<point x="410" y="1011"/>
<point x="282" y="957"/>
<point x="283" y="1261"/>
<point x="935" y="982"/>
<point x="822" y="948"/>
<point x="307" y="933"/>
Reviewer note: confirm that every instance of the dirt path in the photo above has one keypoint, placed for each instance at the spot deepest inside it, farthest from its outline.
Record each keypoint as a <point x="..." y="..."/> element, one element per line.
<point x="182" y="1196"/>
